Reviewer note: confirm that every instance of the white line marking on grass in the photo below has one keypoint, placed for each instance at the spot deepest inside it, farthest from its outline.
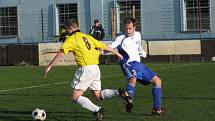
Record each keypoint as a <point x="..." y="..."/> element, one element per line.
<point x="111" y="75"/>
<point x="30" y="87"/>
<point x="171" y="67"/>
<point x="58" y="83"/>
<point x="186" y="65"/>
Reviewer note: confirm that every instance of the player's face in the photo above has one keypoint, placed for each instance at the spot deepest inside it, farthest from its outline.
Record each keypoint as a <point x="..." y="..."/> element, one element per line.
<point x="69" y="30"/>
<point x="97" y="24"/>
<point x="129" y="29"/>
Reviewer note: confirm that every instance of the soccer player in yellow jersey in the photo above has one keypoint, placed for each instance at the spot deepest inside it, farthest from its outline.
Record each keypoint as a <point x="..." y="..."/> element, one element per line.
<point x="86" y="51"/>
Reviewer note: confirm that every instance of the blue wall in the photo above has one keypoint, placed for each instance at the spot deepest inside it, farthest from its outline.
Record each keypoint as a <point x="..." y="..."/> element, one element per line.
<point x="160" y="19"/>
<point x="29" y="17"/>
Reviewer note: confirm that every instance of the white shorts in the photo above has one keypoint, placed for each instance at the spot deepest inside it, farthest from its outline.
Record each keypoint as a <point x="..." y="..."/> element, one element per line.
<point x="87" y="76"/>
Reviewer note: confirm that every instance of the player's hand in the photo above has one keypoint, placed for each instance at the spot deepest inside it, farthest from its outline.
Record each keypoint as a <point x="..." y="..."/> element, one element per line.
<point x="101" y="52"/>
<point x="46" y="71"/>
<point x="143" y="55"/>
<point x="120" y="57"/>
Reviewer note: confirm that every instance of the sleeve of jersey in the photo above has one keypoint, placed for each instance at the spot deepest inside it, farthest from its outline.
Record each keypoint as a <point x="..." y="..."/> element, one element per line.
<point x="115" y="44"/>
<point x="66" y="47"/>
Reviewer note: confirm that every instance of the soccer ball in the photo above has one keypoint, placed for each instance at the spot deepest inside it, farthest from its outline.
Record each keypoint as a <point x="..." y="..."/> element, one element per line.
<point x="39" y="115"/>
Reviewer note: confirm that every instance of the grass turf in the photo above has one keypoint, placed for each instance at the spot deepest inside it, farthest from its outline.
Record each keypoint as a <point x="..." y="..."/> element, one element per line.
<point x="188" y="93"/>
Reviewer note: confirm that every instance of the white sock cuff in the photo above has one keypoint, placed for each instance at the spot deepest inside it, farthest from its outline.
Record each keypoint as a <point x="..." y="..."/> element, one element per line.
<point x="108" y="93"/>
<point x="157" y="87"/>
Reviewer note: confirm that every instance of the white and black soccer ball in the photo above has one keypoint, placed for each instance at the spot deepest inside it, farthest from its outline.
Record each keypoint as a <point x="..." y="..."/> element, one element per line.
<point x="39" y="115"/>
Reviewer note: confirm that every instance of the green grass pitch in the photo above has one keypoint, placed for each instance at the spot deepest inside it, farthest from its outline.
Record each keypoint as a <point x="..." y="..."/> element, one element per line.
<point x="188" y="93"/>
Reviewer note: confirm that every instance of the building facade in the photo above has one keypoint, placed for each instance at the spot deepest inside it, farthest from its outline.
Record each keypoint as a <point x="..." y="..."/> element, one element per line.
<point x="30" y="21"/>
<point x="173" y="30"/>
<point x="35" y="21"/>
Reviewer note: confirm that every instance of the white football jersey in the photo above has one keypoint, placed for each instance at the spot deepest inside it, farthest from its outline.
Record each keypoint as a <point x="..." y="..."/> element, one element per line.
<point x="129" y="47"/>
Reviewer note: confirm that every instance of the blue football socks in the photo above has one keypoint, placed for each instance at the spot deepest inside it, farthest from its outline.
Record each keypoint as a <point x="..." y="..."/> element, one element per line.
<point x="157" y="95"/>
<point x="131" y="90"/>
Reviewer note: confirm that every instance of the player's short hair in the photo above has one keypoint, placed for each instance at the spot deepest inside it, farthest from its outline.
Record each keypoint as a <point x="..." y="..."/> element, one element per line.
<point x="96" y="21"/>
<point x="129" y="20"/>
<point x="72" y="23"/>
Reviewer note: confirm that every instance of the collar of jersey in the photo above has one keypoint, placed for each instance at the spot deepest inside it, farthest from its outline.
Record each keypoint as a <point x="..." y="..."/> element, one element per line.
<point x="75" y="32"/>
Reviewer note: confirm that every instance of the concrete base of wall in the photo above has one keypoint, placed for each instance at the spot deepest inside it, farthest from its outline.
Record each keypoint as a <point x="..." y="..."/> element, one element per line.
<point x="33" y="54"/>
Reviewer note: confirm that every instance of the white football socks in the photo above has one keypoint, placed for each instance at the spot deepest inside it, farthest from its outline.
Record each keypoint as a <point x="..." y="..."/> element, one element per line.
<point x="107" y="93"/>
<point x="86" y="103"/>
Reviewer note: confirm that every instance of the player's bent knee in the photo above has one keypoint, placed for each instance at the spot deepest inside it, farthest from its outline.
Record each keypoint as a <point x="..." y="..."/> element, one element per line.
<point x="98" y="96"/>
<point x="74" y="99"/>
<point x="156" y="81"/>
<point x="76" y="94"/>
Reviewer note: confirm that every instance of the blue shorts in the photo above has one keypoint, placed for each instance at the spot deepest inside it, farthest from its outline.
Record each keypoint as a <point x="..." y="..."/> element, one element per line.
<point x="139" y="70"/>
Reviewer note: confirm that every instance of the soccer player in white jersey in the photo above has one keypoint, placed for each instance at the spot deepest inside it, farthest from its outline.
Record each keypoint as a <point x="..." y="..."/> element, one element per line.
<point x="129" y="46"/>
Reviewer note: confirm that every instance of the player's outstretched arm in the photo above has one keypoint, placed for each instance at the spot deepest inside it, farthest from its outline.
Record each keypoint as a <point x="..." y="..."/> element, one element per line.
<point x="115" y="52"/>
<point x="53" y="62"/>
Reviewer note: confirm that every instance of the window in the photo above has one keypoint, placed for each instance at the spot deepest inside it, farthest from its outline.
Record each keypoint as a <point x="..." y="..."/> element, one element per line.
<point x="8" y="22"/>
<point x="64" y="12"/>
<point x="127" y="8"/>
<point x="195" y="15"/>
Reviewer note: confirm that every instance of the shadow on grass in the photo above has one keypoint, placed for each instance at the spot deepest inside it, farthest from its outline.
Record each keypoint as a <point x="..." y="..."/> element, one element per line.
<point x="131" y="114"/>
<point x="51" y="116"/>
<point x="70" y="116"/>
<point x="67" y="116"/>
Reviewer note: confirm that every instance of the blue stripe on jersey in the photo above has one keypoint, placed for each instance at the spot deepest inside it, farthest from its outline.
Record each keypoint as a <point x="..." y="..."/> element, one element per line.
<point x="123" y="52"/>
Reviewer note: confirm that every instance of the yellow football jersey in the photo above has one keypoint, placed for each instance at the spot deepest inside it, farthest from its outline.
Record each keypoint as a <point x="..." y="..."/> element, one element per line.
<point x="83" y="47"/>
